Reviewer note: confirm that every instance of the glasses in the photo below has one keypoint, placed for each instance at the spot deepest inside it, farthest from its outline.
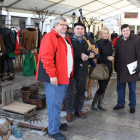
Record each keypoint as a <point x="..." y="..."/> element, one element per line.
<point x="63" y="24"/>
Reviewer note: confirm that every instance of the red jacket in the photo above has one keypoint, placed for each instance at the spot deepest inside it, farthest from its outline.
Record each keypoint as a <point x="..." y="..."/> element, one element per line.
<point x="52" y="61"/>
<point x="114" y="41"/>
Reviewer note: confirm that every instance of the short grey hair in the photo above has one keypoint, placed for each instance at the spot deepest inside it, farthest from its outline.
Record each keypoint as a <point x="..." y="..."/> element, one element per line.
<point x="57" y="20"/>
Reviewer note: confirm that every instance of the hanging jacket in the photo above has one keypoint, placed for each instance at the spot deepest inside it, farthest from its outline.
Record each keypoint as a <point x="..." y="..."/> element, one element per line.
<point x="29" y="66"/>
<point x="2" y="48"/>
<point x="8" y="39"/>
<point x="17" y="40"/>
<point x="6" y="66"/>
<point x="29" y="37"/>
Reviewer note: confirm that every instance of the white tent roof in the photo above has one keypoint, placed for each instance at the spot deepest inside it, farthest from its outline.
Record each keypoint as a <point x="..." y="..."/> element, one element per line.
<point x="90" y="8"/>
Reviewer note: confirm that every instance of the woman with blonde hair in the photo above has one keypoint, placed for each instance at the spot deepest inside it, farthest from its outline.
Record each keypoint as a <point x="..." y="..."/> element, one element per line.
<point x="104" y="45"/>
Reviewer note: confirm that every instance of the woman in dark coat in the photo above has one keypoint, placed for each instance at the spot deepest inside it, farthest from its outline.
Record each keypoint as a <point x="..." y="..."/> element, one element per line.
<point x="105" y="57"/>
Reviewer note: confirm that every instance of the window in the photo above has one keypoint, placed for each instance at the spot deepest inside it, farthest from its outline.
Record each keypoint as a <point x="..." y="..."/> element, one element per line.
<point x="131" y="15"/>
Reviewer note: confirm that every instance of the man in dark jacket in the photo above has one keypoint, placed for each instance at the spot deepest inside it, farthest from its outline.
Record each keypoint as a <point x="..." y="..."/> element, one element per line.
<point x="127" y="51"/>
<point x="69" y="31"/>
<point x="80" y="74"/>
<point x="113" y="35"/>
<point x="55" y="67"/>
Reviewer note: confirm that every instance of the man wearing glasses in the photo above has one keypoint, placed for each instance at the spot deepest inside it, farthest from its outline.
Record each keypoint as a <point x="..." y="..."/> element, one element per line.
<point x="55" y="67"/>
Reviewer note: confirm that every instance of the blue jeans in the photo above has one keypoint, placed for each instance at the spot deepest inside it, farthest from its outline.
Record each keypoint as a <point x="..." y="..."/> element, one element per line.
<point x="121" y="88"/>
<point x="54" y="98"/>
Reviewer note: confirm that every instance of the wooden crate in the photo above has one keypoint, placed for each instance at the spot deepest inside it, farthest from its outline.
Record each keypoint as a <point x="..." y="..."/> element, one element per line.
<point x="18" y="110"/>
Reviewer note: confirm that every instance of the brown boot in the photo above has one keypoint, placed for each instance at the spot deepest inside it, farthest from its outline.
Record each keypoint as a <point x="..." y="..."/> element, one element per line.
<point x="63" y="106"/>
<point x="69" y="117"/>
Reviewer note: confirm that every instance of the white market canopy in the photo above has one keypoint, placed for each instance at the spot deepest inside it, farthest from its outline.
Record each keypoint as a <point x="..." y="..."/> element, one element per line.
<point x="101" y="9"/>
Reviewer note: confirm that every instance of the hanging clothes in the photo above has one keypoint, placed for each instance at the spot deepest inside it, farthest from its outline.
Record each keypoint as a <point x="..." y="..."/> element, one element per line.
<point x="29" y="64"/>
<point x="29" y="37"/>
<point x="2" y="48"/>
<point x="39" y="40"/>
<point x="6" y="66"/>
<point x="8" y="39"/>
<point x="36" y="37"/>
<point x="36" y="59"/>
<point x="17" y="39"/>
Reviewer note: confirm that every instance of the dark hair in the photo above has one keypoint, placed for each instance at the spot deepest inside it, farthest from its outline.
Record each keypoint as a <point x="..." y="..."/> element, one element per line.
<point x="91" y="35"/>
<point x="70" y="28"/>
<point x="132" y="31"/>
<point x="124" y="26"/>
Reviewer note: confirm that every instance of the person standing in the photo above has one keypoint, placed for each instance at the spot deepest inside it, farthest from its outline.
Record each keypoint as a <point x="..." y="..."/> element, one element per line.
<point x="127" y="51"/>
<point x="105" y="57"/>
<point x="55" y="67"/>
<point x="114" y="35"/>
<point x="81" y="62"/>
<point x="69" y="31"/>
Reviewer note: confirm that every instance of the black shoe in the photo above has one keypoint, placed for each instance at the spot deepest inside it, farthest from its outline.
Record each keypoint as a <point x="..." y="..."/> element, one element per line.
<point x="57" y="136"/>
<point x="117" y="107"/>
<point x="132" y="110"/>
<point x="63" y="127"/>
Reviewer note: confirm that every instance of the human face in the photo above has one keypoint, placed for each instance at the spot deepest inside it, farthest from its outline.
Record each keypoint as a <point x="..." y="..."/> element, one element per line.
<point x="70" y="30"/>
<point x="61" y="27"/>
<point x="105" y="34"/>
<point x="79" y="31"/>
<point x="126" y="32"/>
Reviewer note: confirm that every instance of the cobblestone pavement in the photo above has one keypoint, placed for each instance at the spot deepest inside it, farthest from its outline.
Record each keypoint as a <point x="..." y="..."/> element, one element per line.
<point x="99" y="125"/>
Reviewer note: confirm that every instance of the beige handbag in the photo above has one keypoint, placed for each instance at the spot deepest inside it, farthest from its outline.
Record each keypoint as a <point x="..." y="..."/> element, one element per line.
<point x="100" y="72"/>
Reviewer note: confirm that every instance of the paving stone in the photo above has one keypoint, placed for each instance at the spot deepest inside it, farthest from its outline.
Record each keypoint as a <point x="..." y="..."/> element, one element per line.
<point x="105" y="135"/>
<point x="124" y="122"/>
<point x="109" y="127"/>
<point x="138" y="138"/>
<point x="79" y="137"/>
<point x="128" y="130"/>
<point x="114" y="120"/>
<point x="117" y="114"/>
<point x="132" y="123"/>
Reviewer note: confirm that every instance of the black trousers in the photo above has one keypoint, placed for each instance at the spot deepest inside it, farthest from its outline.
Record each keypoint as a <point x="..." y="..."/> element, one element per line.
<point x="80" y="86"/>
<point x="102" y="85"/>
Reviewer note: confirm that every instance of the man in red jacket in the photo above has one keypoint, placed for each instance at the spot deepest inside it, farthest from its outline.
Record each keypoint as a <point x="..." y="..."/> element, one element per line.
<point x="55" y="67"/>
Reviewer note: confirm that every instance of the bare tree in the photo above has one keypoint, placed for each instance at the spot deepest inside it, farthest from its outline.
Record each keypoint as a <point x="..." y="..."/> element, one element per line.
<point x="89" y="23"/>
<point x="42" y="15"/>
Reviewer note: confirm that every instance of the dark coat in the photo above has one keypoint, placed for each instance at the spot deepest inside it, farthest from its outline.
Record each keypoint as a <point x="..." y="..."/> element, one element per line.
<point x="79" y="48"/>
<point x="8" y="39"/>
<point x="127" y="52"/>
<point x="2" y="48"/>
<point x="105" y="50"/>
<point x="113" y="36"/>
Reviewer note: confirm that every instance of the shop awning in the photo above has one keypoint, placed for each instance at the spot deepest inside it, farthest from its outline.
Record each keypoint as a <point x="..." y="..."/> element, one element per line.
<point x="100" y="9"/>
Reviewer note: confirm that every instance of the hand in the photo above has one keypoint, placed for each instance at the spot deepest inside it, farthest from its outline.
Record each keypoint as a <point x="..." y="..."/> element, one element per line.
<point x="91" y="55"/>
<point x="111" y="58"/>
<point x="54" y="81"/>
<point x="84" y="57"/>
